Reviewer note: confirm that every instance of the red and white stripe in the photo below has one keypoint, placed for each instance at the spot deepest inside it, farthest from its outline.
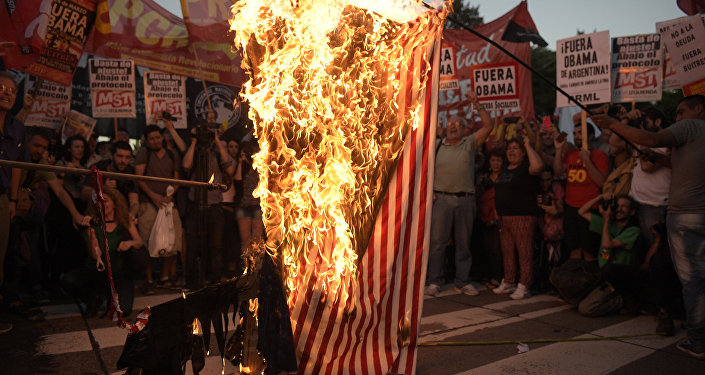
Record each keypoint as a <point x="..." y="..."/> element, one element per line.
<point x="392" y="271"/>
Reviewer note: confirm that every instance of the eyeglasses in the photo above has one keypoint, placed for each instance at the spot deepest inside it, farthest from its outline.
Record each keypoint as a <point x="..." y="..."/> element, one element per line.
<point x="6" y="88"/>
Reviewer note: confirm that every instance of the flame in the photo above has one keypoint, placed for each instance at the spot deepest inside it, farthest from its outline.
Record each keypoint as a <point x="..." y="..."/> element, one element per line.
<point x="327" y="98"/>
<point x="211" y="179"/>
<point x="196" y="327"/>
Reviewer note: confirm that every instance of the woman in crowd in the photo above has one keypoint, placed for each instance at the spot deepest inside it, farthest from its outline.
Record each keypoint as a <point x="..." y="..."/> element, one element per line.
<point x="249" y="212"/>
<point x="75" y="155"/>
<point x="516" y="190"/>
<point x="550" y="223"/>
<point x="123" y="238"/>
<point x="489" y="218"/>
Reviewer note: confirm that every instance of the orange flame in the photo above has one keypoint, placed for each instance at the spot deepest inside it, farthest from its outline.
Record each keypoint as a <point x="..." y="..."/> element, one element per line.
<point x="330" y="112"/>
<point x="211" y="179"/>
<point x="196" y="327"/>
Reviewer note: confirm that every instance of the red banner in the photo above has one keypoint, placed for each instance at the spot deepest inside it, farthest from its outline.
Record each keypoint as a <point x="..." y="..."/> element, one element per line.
<point x="143" y="31"/>
<point x="207" y="20"/>
<point x="49" y="36"/>
<point x="472" y="58"/>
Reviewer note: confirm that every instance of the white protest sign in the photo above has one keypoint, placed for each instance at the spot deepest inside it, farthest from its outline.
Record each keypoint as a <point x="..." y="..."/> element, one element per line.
<point x="637" y="68"/>
<point x="448" y="75"/>
<point x="112" y="88"/>
<point x="583" y="69"/>
<point x="496" y="86"/>
<point x="165" y="92"/>
<point x="51" y="101"/>
<point x="686" y="43"/>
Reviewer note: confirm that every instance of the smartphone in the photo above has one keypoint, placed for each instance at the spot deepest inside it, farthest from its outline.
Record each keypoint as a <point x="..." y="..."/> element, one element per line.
<point x="546" y="120"/>
<point x="562" y="136"/>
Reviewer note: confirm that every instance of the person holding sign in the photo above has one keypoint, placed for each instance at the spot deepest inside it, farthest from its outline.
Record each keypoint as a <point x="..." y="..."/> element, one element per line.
<point x="585" y="170"/>
<point x="454" y="200"/>
<point x="686" y="205"/>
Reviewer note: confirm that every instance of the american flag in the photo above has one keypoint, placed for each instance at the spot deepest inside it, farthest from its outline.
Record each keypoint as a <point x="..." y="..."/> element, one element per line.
<point x="393" y="269"/>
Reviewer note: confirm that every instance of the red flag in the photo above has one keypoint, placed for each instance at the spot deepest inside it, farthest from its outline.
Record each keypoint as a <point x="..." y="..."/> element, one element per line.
<point x="692" y="7"/>
<point x="207" y="20"/>
<point x="151" y="36"/>
<point x="49" y="36"/>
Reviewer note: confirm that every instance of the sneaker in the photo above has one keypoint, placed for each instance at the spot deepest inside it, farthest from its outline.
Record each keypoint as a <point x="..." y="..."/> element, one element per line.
<point x="665" y="324"/>
<point x="689" y="348"/>
<point x="467" y="289"/>
<point x="521" y="292"/>
<point x="148" y="288"/>
<point x="432" y="290"/>
<point x="5" y="327"/>
<point x="504" y="288"/>
<point x="164" y="283"/>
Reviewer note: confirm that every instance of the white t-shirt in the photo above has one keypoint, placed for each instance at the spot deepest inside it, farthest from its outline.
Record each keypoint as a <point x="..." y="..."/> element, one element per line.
<point x="651" y="187"/>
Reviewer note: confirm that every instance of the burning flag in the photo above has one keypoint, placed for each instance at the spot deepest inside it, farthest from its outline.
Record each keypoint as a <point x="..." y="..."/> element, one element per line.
<point x="343" y="101"/>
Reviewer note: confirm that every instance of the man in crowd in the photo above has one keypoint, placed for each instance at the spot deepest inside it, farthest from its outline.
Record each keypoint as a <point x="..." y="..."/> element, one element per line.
<point x="119" y="162"/>
<point x="586" y="170"/>
<point x="206" y="157"/>
<point x="686" y="205"/>
<point x="454" y="200"/>
<point x="153" y="159"/>
<point x="617" y="236"/>
<point x="12" y="136"/>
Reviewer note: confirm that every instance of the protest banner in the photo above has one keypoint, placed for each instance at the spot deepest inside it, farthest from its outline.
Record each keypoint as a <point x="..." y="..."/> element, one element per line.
<point x="685" y="41"/>
<point x="448" y="76"/>
<point x="583" y="69"/>
<point x="51" y="102"/>
<point x="49" y="36"/>
<point x="496" y="86"/>
<point x="112" y="88"/>
<point x="229" y="111"/>
<point x="165" y="92"/>
<point x="75" y="122"/>
<point x="473" y="55"/>
<point x="207" y="20"/>
<point x="143" y="31"/>
<point x="637" y="68"/>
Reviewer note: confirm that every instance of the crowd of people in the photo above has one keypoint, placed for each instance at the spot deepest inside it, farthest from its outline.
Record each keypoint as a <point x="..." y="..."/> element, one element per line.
<point x="52" y="239"/>
<point x="515" y="206"/>
<point x="614" y="223"/>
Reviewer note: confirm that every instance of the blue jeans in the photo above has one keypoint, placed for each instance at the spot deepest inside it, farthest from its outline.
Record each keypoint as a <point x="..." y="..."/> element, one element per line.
<point x="451" y="214"/>
<point x="686" y="235"/>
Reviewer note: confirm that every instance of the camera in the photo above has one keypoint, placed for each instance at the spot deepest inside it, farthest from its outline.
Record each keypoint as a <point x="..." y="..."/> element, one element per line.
<point x="609" y="204"/>
<point x="167" y="116"/>
<point x="544" y="199"/>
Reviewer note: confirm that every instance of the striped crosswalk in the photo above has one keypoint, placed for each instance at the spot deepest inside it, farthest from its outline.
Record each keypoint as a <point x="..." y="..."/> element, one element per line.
<point x="476" y="322"/>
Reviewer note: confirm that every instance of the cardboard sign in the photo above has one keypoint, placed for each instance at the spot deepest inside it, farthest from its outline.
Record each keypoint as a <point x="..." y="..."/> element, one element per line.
<point x="637" y="68"/>
<point x="112" y="88"/>
<point x="165" y="92"/>
<point x="448" y="74"/>
<point x="583" y="69"/>
<point x="75" y="122"/>
<point x="686" y="43"/>
<point x="496" y="86"/>
<point x="51" y="102"/>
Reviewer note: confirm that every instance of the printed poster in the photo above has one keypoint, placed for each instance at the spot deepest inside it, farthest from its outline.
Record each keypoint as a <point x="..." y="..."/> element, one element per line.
<point x="496" y="86"/>
<point x="165" y="92"/>
<point x="686" y="43"/>
<point x="637" y="68"/>
<point x="583" y="69"/>
<point x="112" y="88"/>
<point x="51" y="102"/>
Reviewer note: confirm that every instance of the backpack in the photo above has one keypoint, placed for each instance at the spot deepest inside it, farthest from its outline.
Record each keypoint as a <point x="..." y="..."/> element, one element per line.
<point x="575" y="279"/>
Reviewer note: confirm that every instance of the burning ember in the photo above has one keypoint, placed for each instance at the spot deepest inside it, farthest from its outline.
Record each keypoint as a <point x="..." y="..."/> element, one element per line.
<point x="328" y="90"/>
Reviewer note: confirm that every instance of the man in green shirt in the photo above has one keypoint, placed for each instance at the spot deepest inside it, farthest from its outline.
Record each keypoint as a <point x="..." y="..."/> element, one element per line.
<point x="613" y="224"/>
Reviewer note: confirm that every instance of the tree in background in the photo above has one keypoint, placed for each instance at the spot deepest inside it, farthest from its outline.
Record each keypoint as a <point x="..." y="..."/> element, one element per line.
<point x="543" y="60"/>
<point x="466" y="14"/>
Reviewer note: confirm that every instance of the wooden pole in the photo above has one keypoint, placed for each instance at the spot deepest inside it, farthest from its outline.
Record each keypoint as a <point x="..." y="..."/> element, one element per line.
<point x="115" y="122"/>
<point x="583" y="126"/>
<point x="114" y="175"/>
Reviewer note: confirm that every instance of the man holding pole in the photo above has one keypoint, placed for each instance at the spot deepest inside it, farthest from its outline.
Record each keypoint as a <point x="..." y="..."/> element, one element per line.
<point x="586" y="171"/>
<point x="686" y="205"/>
<point x="12" y="136"/>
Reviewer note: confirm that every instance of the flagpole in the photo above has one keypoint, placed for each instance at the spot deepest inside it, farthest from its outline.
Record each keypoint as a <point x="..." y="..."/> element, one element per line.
<point x="114" y="175"/>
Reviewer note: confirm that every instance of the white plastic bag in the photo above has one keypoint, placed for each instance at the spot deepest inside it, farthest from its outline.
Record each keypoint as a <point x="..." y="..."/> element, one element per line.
<point x="162" y="239"/>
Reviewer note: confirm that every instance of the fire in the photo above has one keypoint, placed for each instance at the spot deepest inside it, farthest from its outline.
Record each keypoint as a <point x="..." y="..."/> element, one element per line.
<point x="196" y="327"/>
<point x="211" y="179"/>
<point x="328" y="99"/>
